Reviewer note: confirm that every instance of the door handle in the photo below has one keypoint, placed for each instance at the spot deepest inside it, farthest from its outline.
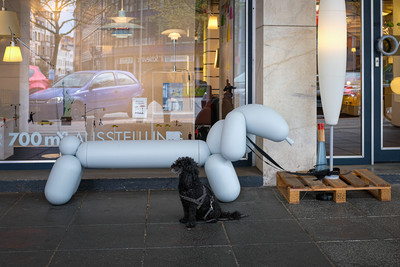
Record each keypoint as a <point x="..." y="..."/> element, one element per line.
<point x="380" y="45"/>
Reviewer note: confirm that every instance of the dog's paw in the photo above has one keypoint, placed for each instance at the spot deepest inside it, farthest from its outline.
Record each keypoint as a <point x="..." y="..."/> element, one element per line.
<point x="183" y="220"/>
<point x="190" y="224"/>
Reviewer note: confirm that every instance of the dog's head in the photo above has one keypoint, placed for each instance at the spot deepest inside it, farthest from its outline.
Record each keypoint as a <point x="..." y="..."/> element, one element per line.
<point x="186" y="164"/>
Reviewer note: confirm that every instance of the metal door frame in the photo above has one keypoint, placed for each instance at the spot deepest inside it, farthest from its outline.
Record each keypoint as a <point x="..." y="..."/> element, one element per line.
<point x="379" y="154"/>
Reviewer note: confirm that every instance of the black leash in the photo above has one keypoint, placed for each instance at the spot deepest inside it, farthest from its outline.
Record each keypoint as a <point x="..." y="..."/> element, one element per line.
<point x="319" y="174"/>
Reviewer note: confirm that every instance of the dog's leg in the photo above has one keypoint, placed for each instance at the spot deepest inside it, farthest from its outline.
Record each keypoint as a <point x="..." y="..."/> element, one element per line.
<point x="191" y="216"/>
<point x="185" y="213"/>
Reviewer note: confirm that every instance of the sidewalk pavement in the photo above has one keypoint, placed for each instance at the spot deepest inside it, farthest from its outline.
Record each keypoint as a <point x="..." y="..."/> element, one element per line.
<point x="141" y="228"/>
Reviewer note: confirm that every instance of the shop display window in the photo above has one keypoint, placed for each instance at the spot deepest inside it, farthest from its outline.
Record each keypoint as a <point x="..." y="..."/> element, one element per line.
<point x="120" y="70"/>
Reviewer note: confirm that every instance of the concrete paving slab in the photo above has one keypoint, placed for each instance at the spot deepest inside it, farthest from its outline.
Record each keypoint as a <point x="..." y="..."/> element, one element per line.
<point x="7" y="200"/>
<point x="321" y="209"/>
<point x="164" y="207"/>
<point x="363" y="253"/>
<point x="346" y="228"/>
<point x="34" y="210"/>
<point x="177" y="235"/>
<point x="280" y="254"/>
<point x="268" y="231"/>
<point x="112" y="208"/>
<point x="103" y="236"/>
<point x="190" y="256"/>
<point x="25" y="258"/>
<point x="98" y="257"/>
<point x="30" y="238"/>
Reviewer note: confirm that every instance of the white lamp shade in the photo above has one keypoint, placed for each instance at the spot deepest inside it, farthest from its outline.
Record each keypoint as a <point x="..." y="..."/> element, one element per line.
<point x="332" y="34"/>
<point x="12" y="54"/>
<point x="9" y="19"/>
<point x="174" y="34"/>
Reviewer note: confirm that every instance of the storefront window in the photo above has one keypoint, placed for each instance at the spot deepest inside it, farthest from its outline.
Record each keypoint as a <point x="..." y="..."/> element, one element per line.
<point x="121" y="70"/>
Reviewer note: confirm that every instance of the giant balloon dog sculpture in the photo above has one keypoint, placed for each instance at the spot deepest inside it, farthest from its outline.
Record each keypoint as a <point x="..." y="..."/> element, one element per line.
<point x="226" y="142"/>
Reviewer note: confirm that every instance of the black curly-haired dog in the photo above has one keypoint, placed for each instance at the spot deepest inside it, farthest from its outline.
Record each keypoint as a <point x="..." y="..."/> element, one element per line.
<point x="198" y="201"/>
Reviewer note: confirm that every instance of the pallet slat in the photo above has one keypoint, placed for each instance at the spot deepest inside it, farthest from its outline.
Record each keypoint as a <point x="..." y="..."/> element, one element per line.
<point x="312" y="182"/>
<point x="291" y="185"/>
<point x="368" y="175"/>
<point x="336" y="183"/>
<point x="353" y="180"/>
<point x="290" y="180"/>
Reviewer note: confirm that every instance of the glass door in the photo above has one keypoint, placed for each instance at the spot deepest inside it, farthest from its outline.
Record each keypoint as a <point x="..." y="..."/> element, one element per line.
<point x="352" y="133"/>
<point x="386" y="92"/>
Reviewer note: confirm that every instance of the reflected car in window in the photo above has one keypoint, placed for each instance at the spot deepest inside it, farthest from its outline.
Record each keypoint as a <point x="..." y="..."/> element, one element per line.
<point x="37" y="80"/>
<point x="107" y="90"/>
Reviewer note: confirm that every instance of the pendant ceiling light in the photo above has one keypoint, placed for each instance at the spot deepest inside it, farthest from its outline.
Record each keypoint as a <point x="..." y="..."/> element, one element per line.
<point x="9" y="20"/>
<point x="12" y="53"/>
<point x="174" y="34"/>
<point x="121" y="27"/>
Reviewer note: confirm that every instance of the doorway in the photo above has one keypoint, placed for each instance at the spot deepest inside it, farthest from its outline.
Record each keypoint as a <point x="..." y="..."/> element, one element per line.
<point x="386" y="76"/>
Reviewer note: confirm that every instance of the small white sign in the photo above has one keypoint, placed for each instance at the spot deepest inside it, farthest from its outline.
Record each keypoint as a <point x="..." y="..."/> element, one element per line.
<point x="139" y="107"/>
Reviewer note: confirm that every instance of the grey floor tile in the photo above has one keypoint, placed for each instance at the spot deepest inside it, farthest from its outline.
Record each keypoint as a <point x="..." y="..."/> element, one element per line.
<point x="190" y="256"/>
<point x="25" y="258"/>
<point x="165" y="207"/>
<point x="99" y="257"/>
<point x="113" y="208"/>
<point x="177" y="235"/>
<point x="374" y="207"/>
<point x="391" y="224"/>
<point x="257" y="194"/>
<point x="259" y="232"/>
<point x="331" y="229"/>
<point x="363" y="253"/>
<point x="258" y="210"/>
<point x="280" y="254"/>
<point x="395" y="192"/>
<point x="30" y="238"/>
<point x="323" y="209"/>
<point x="34" y="210"/>
<point x="109" y="236"/>
<point x="7" y="200"/>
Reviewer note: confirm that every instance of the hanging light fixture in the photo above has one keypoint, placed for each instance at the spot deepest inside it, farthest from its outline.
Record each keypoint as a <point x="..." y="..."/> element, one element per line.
<point x="213" y="22"/>
<point x="174" y="34"/>
<point x="12" y="53"/>
<point x="121" y="27"/>
<point x="9" y="20"/>
<point x="332" y="34"/>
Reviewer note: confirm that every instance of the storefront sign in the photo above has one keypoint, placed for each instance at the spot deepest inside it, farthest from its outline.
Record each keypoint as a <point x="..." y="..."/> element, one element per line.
<point x="37" y="139"/>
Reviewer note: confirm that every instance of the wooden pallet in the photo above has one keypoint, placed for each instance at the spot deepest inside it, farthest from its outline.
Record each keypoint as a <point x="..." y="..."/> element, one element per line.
<point x="291" y="185"/>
